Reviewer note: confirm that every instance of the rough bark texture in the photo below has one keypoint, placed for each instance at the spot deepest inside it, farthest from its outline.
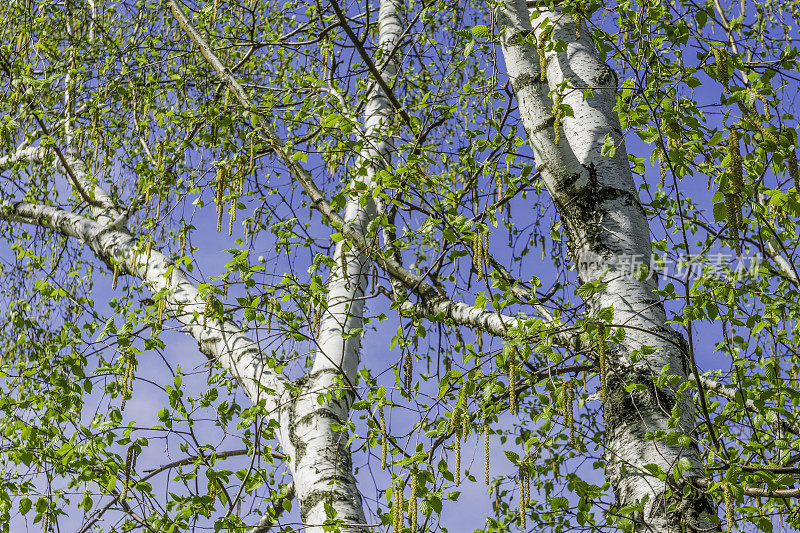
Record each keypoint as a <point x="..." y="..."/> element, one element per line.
<point x="598" y="202"/>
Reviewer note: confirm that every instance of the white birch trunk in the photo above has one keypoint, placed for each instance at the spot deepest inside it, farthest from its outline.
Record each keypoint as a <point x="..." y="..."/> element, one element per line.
<point x="599" y="205"/>
<point x="321" y="464"/>
<point x="318" y="453"/>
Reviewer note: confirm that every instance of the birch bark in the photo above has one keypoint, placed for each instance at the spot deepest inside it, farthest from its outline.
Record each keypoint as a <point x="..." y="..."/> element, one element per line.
<point x="322" y="466"/>
<point x="313" y="412"/>
<point x="598" y="202"/>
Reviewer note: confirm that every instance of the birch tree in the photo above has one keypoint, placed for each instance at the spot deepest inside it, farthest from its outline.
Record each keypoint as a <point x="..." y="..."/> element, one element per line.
<point x="341" y="207"/>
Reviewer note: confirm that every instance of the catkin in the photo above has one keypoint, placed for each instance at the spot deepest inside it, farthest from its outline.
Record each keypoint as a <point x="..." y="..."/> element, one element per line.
<point x="127" y="378"/>
<point x="543" y="38"/>
<point x="601" y="330"/>
<point x="221" y="178"/>
<point x="558" y="114"/>
<point x="382" y="420"/>
<point x="398" y="508"/>
<point x="412" y="500"/>
<point x="457" y="472"/>
<point x="794" y="171"/>
<point x="522" y="495"/>
<point x="486" y="452"/>
<point x="114" y="279"/>
<point x="130" y="462"/>
<point x="662" y="164"/>
<point x="512" y="380"/>
<point x="162" y="306"/>
<point x="721" y="57"/>
<point x="569" y="421"/>
<point x="736" y="185"/>
<point x="209" y="308"/>
<point x="409" y="372"/>
<point x="729" y="506"/>
<point x="477" y="253"/>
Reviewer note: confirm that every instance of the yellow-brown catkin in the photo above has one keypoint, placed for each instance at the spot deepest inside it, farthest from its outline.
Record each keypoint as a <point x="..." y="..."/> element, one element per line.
<point x="162" y="306"/>
<point x="232" y="218"/>
<point x="412" y="500"/>
<point x="568" y="394"/>
<point x="486" y="452"/>
<point x="736" y="186"/>
<point x="527" y="489"/>
<point x="662" y="164"/>
<point x="794" y="170"/>
<point x="721" y="57"/>
<point x="114" y="279"/>
<point x="251" y="166"/>
<point x="398" y="508"/>
<point x="408" y="368"/>
<point x="477" y="254"/>
<point x="457" y="471"/>
<point x="209" y="308"/>
<point x="130" y="462"/>
<point x="729" y="506"/>
<point x="558" y="114"/>
<point x="576" y="19"/>
<point x="512" y="380"/>
<point x="479" y="340"/>
<point x="382" y="420"/>
<point x="522" y="496"/>
<point x="601" y="330"/>
<point x="456" y="428"/>
<point x="127" y="378"/>
<point x="540" y="44"/>
<point x="221" y="178"/>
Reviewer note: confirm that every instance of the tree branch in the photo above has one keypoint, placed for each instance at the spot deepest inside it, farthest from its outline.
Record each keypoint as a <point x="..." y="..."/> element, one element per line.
<point x="221" y="340"/>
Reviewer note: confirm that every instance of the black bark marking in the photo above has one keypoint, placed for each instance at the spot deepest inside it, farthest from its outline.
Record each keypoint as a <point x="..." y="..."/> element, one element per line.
<point x="623" y="408"/>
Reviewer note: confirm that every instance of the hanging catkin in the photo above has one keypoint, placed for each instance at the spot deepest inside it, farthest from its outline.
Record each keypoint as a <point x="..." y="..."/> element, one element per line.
<point x="209" y="309"/>
<point x="127" y="378"/>
<point x="601" y="331"/>
<point x="162" y="306"/>
<point x="721" y="57"/>
<point x="457" y="472"/>
<point x="735" y="186"/>
<point x="412" y="500"/>
<point x="729" y="506"/>
<point x="794" y="171"/>
<point x="456" y="429"/>
<point x="558" y="114"/>
<point x="408" y="368"/>
<point x="130" y="464"/>
<point x="478" y="253"/>
<point x="522" y="495"/>
<point x="567" y="393"/>
<point x="116" y="275"/>
<point x="486" y="452"/>
<point x="382" y="420"/>
<point x="540" y="44"/>
<point x="512" y="379"/>
<point x="398" y="508"/>
<point x="221" y="178"/>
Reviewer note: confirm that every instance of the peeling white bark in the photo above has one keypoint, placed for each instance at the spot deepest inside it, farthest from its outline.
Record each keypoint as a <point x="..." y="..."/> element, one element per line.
<point x="322" y="466"/>
<point x="598" y="202"/>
